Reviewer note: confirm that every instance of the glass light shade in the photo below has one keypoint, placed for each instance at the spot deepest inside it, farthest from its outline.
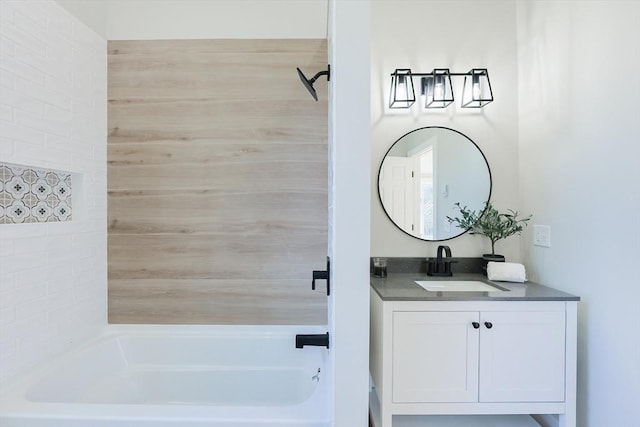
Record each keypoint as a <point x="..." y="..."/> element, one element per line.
<point x="437" y="89"/>
<point x="476" y="91"/>
<point x="402" y="94"/>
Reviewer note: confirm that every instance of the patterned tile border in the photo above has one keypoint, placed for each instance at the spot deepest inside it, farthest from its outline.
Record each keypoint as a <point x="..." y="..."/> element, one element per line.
<point x="33" y="195"/>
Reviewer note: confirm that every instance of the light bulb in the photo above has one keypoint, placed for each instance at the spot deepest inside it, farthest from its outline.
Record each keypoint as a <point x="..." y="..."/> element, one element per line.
<point x="439" y="92"/>
<point x="476" y="91"/>
<point x="402" y="87"/>
<point x="475" y="87"/>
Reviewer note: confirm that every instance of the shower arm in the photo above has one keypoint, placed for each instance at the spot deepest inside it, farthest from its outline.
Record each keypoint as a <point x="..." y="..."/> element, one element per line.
<point x="326" y="72"/>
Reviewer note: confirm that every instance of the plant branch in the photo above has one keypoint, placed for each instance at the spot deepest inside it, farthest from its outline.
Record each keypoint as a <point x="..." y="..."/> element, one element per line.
<point x="490" y="223"/>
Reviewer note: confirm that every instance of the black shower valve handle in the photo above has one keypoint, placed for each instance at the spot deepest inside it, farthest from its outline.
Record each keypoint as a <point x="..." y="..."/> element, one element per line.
<point x="322" y="275"/>
<point x="319" y="275"/>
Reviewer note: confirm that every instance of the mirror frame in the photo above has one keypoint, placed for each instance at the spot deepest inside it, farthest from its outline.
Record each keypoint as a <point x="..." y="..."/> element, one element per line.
<point x="433" y="127"/>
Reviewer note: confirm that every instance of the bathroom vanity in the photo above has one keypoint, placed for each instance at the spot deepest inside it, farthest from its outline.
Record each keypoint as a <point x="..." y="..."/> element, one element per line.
<point x="506" y="349"/>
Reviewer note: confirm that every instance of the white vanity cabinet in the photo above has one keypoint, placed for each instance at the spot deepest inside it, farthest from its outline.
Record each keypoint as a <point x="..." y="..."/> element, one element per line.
<point x="473" y="357"/>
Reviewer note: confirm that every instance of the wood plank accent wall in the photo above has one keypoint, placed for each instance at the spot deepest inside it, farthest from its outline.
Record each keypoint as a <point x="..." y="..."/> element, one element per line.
<point x="217" y="182"/>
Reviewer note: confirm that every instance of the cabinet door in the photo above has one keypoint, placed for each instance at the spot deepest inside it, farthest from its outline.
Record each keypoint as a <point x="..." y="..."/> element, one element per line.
<point x="522" y="356"/>
<point x="435" y="357"/>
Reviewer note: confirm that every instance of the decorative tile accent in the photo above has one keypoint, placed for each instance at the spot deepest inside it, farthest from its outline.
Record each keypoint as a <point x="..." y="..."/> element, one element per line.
<point x="33" y="195"/>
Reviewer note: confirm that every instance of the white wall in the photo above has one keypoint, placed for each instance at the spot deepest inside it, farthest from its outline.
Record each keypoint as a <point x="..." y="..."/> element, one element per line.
<point x="456" y="160"/>
<point x="459" y="35"/>
<point x="202" y="19"/>
<point x="349" y="210"/>
<point x="213" y="19"/>
<point x="579" y="158"/>
<point x="53" y="98"/>
<point x="92" y="12"/>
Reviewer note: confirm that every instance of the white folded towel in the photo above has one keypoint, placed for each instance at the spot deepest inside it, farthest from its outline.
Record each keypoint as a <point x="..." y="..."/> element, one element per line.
<point x="506" y="272"/>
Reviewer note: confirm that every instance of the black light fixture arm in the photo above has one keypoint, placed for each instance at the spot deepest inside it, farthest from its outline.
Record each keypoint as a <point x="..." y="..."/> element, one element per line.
<point x="430" y="74"/>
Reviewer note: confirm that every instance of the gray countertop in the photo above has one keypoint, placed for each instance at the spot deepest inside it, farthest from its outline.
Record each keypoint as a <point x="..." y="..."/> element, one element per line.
<point x="401" y="287"/>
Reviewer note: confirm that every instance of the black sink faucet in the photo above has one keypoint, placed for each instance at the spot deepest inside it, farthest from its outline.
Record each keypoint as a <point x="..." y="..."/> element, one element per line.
<point x="441" y="266"/>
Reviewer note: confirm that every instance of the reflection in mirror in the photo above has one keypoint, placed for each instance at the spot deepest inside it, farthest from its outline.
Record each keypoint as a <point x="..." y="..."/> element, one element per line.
<point x="425" y="173"/>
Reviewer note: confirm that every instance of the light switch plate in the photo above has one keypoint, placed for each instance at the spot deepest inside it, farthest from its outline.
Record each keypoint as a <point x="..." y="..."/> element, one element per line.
<point x="542" y="236"/>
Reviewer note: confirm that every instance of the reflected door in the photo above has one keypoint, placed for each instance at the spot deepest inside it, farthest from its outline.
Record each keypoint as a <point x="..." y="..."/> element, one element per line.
<point x="427" y="201"/>
<point x="396" y="185"/>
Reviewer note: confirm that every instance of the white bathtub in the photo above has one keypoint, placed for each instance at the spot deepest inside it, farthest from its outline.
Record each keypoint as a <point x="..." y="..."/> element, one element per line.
<point x="174" y="376"/>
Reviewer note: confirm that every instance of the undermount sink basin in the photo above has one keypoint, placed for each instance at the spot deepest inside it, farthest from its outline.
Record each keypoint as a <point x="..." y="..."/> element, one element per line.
<point x="457" y="286"/>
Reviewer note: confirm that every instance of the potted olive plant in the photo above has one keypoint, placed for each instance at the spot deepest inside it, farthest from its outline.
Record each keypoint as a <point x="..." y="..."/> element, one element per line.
<point x="490" y="223"/>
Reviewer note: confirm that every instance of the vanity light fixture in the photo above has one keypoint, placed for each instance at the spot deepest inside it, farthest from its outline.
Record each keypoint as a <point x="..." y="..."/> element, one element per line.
<point x="437" y="89"/>
<point x="402" y="94"/>
<point x="476" y="90"/>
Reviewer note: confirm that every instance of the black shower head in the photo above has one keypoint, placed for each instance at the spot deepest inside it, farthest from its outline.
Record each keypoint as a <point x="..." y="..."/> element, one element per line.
<point x="308" y="83"/>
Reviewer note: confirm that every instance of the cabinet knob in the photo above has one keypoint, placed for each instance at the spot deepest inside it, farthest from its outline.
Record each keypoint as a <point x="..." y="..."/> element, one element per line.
<point x="475" y="325"/>
<point x="489" y="325"/>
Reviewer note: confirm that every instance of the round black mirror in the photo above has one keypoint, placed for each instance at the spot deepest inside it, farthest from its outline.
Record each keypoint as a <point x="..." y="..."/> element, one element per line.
<point x="425" y="173"/>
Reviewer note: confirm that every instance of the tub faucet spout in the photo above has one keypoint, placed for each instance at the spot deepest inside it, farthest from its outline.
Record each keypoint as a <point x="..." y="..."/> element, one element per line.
<point x="319" y="340"/>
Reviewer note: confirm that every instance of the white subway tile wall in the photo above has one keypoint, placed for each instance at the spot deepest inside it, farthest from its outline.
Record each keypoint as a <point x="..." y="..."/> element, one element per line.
<point x="53" y="90"/>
